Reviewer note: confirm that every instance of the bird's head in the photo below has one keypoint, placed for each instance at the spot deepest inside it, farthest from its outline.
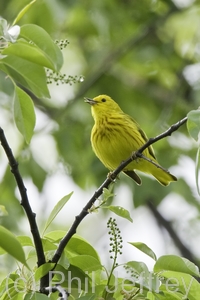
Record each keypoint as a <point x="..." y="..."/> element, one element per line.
<point x="102" y="105"/>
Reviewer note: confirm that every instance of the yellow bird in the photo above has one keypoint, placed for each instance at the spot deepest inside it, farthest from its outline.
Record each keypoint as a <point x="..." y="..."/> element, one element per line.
<point x="115" y="136"/>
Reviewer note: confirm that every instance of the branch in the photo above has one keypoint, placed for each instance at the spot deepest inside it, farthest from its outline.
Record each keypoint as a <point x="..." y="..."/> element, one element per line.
<point x="79" y="218"/>
<point x="185" y="252"/>
<point x="112" y="176"/>
<point x="25" y="203"/>
<point x="166" y="133"/>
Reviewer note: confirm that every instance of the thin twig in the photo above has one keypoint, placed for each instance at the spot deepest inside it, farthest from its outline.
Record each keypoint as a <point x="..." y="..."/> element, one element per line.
<point x="137" y="154"/>
<point x="25" y="203"/>
<point x="166" y="133"/>
<point x="112" y="176"/>
<point x="79" y="218"/>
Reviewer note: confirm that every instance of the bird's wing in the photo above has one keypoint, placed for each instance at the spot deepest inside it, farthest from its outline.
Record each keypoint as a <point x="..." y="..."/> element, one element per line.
<point x="150" y="148"/>
<point x="143" y="136"/>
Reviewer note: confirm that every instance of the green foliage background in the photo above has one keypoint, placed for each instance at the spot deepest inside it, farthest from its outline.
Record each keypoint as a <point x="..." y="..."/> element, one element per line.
<point x="139" y="53"/>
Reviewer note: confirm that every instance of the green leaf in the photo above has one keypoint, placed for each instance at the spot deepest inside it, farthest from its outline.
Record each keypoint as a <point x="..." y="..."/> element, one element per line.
<point x="11" y="245"/>
<point x="55" y="236"/>
<point x="165" y="296"/>
<point x="43" y="270"/>
<point x="43" y="41"/>
<point x="12" y="292"/>
<point x="24" y="114"/>
<point x="18" y="295"/>
<point x="29" y="52"/>
<point x="107" y="193"/>
<point x="25" y="240"/>
<point x="141" y="277"/>
<point x="144" y="248"/>
<point x="23" y="11"/>
<point x="76" y="246"/>
<point x="57" y="208"/>
<point x="28" y="74"/>
<point x="185" y="283"/>
<point x="197" y="168"/>
<point x="138" y="267"/>
<point x="85" y="263"/>
<point x="67" y="275"/>
<point x="2" y="251"/>
<point x="176" y="263"/>
<point x="48" y="246"/>
<point x="120" y="211"/>
<point x="89" y="297"/>
<point x="79" y="246"/>
<point x="193" y="124"/>
<point x="35" y="296"/>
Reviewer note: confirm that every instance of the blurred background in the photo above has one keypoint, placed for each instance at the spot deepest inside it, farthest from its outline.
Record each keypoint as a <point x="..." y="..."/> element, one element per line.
<point x="145" y="55"/>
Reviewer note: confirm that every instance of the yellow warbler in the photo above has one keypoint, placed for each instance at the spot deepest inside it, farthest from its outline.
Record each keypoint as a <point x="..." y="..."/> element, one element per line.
<point x="116" y="135"/>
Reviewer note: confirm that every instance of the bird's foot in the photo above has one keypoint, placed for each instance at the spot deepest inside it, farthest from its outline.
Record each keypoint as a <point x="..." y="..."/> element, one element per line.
<point x="135" y="156"/>
<point x="110" y="176"/>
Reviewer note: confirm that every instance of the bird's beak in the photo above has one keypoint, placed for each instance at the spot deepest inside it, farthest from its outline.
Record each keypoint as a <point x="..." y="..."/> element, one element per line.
<point x="90" y="101"/>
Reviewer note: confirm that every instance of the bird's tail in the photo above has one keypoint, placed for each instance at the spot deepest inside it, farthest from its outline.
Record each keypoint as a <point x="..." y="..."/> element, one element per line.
<point x="162" y="175"/>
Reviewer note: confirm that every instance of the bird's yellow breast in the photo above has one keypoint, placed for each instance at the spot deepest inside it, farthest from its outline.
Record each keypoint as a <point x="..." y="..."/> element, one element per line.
<point x="113" y="140"/>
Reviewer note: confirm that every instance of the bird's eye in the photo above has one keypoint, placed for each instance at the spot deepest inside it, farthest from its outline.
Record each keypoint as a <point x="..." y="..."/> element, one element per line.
<point x="103" y="100"/>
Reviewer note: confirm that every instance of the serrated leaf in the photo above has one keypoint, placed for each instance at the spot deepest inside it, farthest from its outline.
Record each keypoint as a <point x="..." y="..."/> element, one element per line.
<point x="24" y="114"/>
<point x="176" y="263"/>
<point x="43" y="270"/>
<point x="23" y="11"/>
<point x="120" y="211"/>
<point x="43" y="41"/>
<point x="57" y="208"/>
<point x="144" y="248"/>
<point x="11" y="245"/>
<point x="28" y="74"/>
<point x="193" y="124"/>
